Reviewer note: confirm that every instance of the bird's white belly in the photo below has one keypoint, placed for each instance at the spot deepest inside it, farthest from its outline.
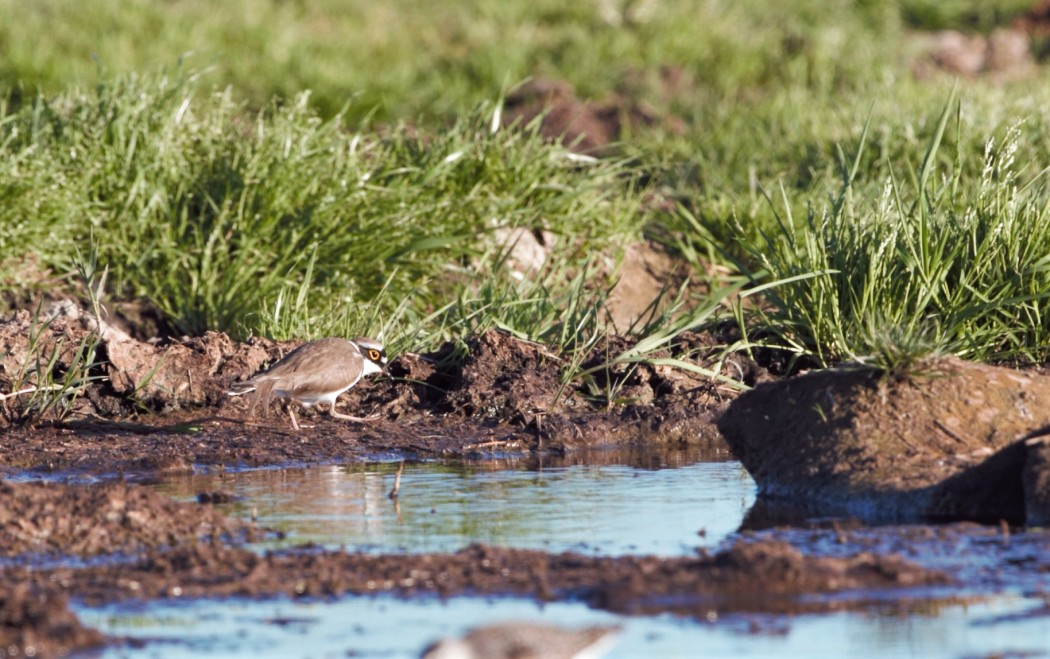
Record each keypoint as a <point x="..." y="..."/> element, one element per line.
<point x="309" y="399"/>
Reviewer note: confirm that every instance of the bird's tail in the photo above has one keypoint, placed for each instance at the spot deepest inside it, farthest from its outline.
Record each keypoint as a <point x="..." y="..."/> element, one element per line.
<point x="241" y="388"/>
<point x="262" y="393"/>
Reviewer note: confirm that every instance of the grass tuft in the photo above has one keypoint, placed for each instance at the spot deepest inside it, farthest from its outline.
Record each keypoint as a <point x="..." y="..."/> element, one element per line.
<point x="217" y="214"/>
<point x="53" y="372"/>
<point x="939" y="267"/>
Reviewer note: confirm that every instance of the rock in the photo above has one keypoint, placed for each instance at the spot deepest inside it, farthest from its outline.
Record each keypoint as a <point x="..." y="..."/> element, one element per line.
<point x="947" y="442"/>
<point x="1037" y="482"/>
<point x="1002" y="56"/>
<point x="644" y="273"/>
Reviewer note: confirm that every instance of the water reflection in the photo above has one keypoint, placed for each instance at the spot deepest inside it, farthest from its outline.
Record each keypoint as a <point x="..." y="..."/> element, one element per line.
<point x="607" y="508"/>
<point x="388" y="627"/>
<point x="607" y="502"/>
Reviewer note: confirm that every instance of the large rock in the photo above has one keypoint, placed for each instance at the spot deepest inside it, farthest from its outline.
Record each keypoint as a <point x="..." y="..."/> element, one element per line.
<point x="954" y="440"/>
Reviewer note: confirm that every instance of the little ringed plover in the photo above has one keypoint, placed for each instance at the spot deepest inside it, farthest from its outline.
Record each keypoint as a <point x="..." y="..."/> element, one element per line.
<point x="316" y="372"/>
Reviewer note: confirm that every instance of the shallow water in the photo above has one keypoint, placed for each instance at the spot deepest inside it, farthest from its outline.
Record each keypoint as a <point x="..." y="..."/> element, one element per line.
<point x="607" y="509"/>
<point x="388" y="627"/>
<point x="666" y="504"/>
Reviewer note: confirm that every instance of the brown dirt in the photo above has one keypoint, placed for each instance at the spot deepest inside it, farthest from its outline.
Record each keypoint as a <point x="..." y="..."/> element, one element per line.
<point x="644" y="274"/>
<point x="162" y="406"/>
<point x="53" y="521"/>
<point x="40" y="624"/>
<point x="764" y="576"/>
<point x="755" y="577"/>
<point x="1004" y="55"/>
<point x="946" y="443"/>
<point x="586" y="127"/>
<point x="61" y="520"/>
<point x="1035" y="21"/>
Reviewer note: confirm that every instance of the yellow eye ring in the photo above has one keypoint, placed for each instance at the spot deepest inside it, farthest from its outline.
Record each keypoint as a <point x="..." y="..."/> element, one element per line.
<point x="374" y="355"/>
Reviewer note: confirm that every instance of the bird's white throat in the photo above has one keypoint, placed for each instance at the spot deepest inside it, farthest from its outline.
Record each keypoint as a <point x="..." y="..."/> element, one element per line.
<point x="371" y="367"/>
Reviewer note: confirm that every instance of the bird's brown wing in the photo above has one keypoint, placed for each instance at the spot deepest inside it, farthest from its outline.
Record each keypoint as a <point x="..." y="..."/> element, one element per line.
<point x="324" y="364"/>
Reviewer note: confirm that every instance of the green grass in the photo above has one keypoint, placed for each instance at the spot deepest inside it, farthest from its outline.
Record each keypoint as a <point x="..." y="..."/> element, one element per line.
<point x="211" y="211"/>
<point x="961" y="14"/>
<point x="54" y="372"/>
<point x="406" y="59"/>
<point x="935" y="266"/>
<point x="323" y="167"/>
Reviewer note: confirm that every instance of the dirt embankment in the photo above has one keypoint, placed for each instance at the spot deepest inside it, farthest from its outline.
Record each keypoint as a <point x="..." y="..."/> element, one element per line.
<point x="954" y="440"/>
<point x="163" y="405"/>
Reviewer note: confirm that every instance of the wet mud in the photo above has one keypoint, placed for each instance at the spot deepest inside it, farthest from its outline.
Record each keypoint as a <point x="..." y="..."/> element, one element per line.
<point x="770" y="577"/>
<point x="115" y="541"/>
<point x="44" y="524"/>
<point x="952" y="441"/>
<point x="759" y="577"/>
<point x="161" y="407"/>
<point x="40" y="624"/>
<point x="57" y="520"/>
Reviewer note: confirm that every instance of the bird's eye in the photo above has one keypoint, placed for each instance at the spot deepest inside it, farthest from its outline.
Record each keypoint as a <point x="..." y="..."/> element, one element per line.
<point x="374" y="355"/>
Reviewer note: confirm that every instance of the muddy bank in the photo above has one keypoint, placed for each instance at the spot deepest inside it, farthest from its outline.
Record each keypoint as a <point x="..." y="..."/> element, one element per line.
<point x="39" y="520"/>
<point x="759" y="577"/>
<point x="163" y="405"/>
<point x="40" y="624"/>
<point x="111" y="542"/>
<point x="955" y="440"/>
<point x="52" y="523"/>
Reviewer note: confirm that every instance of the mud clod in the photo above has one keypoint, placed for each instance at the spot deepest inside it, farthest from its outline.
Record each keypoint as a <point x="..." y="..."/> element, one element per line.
<point x="508" y="379"/>
<point x="89" y="520"/>
<point x="583" y="126"/>
<point x="945" y="443"/>
<point x="40" y="624"/>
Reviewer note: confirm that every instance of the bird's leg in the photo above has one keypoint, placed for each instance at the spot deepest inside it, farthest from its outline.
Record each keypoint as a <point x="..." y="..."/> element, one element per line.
<point x="345" y="417"/>
<point x="295" y="421"/>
